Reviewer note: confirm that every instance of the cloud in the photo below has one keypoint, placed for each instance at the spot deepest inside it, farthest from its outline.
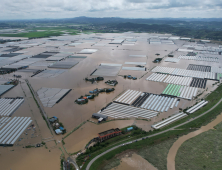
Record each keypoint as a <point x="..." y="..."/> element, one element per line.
<point x="26" y="9"/>
<point x="142" y="1"/>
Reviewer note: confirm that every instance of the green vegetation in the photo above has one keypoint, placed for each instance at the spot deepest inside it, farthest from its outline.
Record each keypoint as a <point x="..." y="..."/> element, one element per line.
<point x="60" y="124"/>
<point x="154" y="154"/>
<point x="38" y="105"/>
<point x="201" y="152"/>
<point x="96" y="147"/>
<point x="75" y="152"/>
<point x="61" y="162"/>
<point x="144" y="74"/>
<point x="213" y="98"/>
<point x="126" y="136"/>
<point x="62" y="151"/>
<point x="218" y="127"/>
<point x="40" y="32"/>
<point x="74" y="130"/>
<point x="29" y="146"/>
<point x="194" y="28"/>
<point x="157" y="60"/>
<point x="157" y="154"/>
<point x="63" y="142"/>
<point x="33" y="34"/>
<point x="202" y="33"/>
<point x="203" y="120"/>
<point x="72" y="167"/>
<point x="111" y="164"/>
<point x="140" y="145"/>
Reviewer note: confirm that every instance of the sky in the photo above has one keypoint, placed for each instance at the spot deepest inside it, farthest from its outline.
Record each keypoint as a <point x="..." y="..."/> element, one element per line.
<point x="36" y="9"/>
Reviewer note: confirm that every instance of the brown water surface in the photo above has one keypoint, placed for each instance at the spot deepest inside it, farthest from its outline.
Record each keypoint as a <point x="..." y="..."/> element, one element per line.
<point x="31" y="158"/>
<point x="71" y="114"/>
<point x="78" y="139"/>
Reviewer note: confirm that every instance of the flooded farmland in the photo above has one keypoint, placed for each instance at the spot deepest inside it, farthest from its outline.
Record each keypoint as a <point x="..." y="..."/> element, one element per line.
<point x="71" y="114"/>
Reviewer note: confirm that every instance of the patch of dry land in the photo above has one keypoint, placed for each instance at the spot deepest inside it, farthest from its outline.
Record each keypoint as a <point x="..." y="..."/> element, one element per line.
<point x="133" y="162"/>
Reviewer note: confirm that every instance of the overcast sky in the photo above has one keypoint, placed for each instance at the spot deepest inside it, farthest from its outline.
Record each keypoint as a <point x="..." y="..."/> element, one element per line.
<point x="33" y="9"/>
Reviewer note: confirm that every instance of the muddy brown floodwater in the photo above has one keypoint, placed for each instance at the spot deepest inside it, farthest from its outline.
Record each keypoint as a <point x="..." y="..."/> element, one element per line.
<point x="78" y="139"/>
<point x="31" y="158"/>
<point x="71" y="114"/>
<point x="134" y="162"/>
<point x="173" y="150"/>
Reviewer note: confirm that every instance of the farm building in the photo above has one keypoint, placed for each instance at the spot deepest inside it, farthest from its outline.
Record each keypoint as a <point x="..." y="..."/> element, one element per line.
<point x="109" y="134"/>
<point x="97" y="116"/>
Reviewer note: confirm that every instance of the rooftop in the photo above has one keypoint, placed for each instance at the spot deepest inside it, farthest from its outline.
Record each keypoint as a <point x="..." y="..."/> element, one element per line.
<point x="109" y="132"/>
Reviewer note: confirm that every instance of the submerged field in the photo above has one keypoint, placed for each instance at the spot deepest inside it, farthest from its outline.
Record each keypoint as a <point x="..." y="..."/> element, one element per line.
<point x="71" y="115"/>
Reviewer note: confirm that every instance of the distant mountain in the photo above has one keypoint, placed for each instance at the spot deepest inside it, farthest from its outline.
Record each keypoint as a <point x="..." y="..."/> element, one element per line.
<point x="83" y="19"/>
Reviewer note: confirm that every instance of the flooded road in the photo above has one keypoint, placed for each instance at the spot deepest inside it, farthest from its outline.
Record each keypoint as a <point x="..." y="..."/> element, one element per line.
<point x="134" y="162"/>
<point x="173" y="150"/>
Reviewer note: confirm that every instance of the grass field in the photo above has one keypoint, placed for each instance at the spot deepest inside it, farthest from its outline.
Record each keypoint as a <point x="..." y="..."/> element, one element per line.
<point x="139" y="146"/>
<point x="33" y="34"/>
<point x="154" y="154"/>
<point x="201" y="152"/>
<point x="157" y="154"/>
<point x="39" y="32"/>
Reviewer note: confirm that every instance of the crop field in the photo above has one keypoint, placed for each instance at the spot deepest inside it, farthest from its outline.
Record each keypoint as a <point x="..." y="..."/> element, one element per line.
<point x="201" y="152"/>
